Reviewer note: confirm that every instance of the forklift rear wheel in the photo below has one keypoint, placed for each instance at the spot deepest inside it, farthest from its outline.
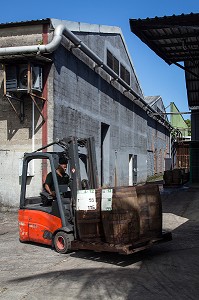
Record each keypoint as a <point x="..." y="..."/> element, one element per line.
<point x="62" y="242"/>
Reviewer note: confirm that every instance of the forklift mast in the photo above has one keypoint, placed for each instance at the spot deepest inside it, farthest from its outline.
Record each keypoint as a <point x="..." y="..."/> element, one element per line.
<point x="75" y="149"/>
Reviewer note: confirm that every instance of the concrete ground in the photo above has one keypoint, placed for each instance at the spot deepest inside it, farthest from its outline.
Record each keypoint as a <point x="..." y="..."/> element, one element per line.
<point x="166" y="271"/>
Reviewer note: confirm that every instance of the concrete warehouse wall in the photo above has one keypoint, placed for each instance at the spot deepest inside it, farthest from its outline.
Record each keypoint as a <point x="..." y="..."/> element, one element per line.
<point x="158" y="142"/>
<point x="158" y="147"/>
<point x="83" y="101"/>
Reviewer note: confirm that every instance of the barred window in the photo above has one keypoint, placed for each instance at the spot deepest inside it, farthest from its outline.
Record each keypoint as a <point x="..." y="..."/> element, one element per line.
<point x="117" y="67"/>
<point x="124" y="74"/>
<point x="112" y="62"/>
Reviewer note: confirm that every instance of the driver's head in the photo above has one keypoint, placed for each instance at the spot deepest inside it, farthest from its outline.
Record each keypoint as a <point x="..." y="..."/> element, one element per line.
<point x="63" y="162"/>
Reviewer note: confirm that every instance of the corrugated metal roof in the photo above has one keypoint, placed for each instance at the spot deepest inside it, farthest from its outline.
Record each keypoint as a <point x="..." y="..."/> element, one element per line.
<point x="175" y="39"/>
<point x="28" y="22"/>
<point x="151" y="99"/>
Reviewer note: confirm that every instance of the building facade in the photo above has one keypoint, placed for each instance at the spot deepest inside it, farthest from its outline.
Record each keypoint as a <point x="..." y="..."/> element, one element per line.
<point x="158" y="141"/>
<point x="62" y="78"/>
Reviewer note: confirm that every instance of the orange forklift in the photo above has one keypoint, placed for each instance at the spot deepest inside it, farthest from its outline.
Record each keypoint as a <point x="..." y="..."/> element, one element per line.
<point x="83" y="215"/>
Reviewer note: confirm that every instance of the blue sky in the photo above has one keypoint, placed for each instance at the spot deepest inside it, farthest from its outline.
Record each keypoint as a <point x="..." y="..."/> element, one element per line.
<point x="155" y="76"/>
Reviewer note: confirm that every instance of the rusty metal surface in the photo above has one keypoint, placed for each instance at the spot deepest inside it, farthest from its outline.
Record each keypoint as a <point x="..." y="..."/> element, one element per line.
<point x="182" y="155"/>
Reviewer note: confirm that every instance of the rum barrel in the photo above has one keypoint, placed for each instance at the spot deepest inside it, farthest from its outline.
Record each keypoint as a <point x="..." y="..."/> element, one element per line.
<point x="89" y="224"/>
<point x="121" y="224"/>
<point x="177" y="176"/>
<point x="168" y="177"/>
<point x="149" y="210"/>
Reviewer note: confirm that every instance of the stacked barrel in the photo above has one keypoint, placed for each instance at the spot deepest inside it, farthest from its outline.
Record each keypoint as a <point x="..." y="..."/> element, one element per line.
<point x="88" y="222"/>
<point x="176" y="177"/>
<point x="135" y="216"/>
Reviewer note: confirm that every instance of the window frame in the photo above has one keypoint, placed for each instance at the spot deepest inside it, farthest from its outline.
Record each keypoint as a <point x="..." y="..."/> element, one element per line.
<point x="118" y="67"/>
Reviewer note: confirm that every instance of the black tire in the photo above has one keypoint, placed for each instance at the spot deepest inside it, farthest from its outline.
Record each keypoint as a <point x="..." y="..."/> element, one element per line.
<point x="21" y="241"/>
<point x="62" y="242"/>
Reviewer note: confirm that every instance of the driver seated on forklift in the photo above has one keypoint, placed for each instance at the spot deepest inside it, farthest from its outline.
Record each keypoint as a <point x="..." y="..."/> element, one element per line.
<point x="62" y="177"/>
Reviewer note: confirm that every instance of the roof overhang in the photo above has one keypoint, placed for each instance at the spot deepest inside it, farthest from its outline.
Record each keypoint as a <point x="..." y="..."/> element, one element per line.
<point x="176" y="40"/>
<point x="21" y="58"/>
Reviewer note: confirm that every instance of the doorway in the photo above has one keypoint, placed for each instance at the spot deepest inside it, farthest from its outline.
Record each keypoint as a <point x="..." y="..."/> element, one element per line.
<point x="105" y="150"/>
<point x="132" y="169"/>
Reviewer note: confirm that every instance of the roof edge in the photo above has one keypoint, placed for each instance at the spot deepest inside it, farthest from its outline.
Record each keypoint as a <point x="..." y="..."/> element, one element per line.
<point x="25" y="23"/>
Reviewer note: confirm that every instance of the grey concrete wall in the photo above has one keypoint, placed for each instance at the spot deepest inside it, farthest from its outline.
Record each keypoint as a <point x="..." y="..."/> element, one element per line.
<point x="100" y="43"/>
<point x="158" y="147"/>
<point x="83" y="100"/>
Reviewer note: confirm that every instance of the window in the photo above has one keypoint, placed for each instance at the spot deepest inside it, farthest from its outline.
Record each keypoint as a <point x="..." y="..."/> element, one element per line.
<point x="112" y="62"/>
<point x="117" y="67"/>
<point x="124" y="74"/>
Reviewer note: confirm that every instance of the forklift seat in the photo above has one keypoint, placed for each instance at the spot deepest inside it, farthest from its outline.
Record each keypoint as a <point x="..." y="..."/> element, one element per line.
<point x="35" y="203"/>
<point x="46" y="199"/>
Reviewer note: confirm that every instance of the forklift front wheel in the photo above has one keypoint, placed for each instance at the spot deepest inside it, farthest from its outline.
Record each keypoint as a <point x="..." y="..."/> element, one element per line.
<point x="62" y="242"/>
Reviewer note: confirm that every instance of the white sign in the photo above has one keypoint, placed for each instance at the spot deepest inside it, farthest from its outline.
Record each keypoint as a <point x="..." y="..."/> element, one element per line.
<point x="86" y="200"/>
<point x="107" y="199"/>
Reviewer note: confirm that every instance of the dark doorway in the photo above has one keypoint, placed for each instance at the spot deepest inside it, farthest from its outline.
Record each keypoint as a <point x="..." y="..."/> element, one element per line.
<point x="105" y="150"/>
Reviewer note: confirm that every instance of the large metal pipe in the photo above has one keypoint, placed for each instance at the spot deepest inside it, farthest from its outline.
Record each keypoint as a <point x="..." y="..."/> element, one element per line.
<point x="48" y="48"/>
<point x="61" y="30"/>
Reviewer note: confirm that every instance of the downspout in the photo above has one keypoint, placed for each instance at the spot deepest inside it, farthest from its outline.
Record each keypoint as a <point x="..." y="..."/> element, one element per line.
<point x="59" y="31"/>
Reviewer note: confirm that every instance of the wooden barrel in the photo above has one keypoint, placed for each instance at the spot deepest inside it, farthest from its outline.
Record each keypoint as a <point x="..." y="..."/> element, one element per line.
<point x="149" y="210"/>
<point x="89" y="224"/>
<point x="121" y="224"/>
<point x="177" y="176"/>
<point x="135" y="215"/>
<point x="186" y="175"/>
<point x="168" y="177"/>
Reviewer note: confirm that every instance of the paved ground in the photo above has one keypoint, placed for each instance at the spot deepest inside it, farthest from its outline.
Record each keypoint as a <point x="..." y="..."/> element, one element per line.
<point x="166" y="271"/>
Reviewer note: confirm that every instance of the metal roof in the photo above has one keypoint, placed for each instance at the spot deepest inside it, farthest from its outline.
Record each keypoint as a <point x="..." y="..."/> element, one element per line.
<point x="175" y="39"/>
<point x="24" y="23"/>
<point x="151" y="99"/>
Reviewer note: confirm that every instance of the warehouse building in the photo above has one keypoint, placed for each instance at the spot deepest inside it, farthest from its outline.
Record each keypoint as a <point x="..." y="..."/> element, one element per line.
<point x="62" y="78"/>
